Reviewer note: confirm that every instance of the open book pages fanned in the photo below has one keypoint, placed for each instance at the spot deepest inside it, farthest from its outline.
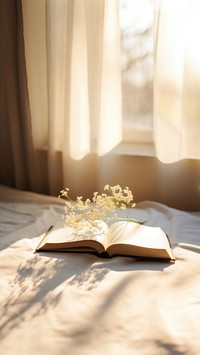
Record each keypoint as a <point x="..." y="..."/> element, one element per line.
<point x="120" y="238"/>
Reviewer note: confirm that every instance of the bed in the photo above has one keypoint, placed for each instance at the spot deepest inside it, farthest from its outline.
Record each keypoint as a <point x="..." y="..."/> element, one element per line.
<point x="60" y="303"/>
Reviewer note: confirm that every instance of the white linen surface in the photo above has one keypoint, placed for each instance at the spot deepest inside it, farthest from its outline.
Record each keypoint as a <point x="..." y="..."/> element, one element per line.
<point x="59" y="303"/>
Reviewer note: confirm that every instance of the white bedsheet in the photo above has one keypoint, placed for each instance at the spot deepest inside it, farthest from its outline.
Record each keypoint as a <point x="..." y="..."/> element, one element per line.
<point x="59" y="303"/>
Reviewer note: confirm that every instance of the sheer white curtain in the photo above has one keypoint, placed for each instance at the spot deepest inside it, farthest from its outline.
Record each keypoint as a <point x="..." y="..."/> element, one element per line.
<point x="177" y="79"/>
<point x="75" y="86"/>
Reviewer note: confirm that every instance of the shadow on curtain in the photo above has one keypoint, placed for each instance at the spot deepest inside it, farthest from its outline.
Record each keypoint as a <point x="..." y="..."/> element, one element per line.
<point x="17" y="164"/>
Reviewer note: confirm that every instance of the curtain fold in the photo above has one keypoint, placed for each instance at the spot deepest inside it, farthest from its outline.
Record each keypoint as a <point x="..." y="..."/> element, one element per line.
<point x="74" y="71"/>
<point x="177" y="80"/>
<point x="17" y="164"/>
<point x="84" y="82"/>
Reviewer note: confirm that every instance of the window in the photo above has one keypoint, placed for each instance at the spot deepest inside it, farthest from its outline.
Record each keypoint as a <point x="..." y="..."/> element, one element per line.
<point x="136" y="21"/>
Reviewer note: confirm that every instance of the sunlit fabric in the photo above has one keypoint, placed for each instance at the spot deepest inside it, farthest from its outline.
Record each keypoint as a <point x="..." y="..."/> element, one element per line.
<point x="60" y="303"/>
<point x="177" y="80"/>
<point x="74" y="78"/>
<point x="83" y="80"/>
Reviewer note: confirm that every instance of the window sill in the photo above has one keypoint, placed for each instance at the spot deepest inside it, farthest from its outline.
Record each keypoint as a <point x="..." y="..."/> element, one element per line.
<point x="135" y="149"/>
<point x="127" y="149"/>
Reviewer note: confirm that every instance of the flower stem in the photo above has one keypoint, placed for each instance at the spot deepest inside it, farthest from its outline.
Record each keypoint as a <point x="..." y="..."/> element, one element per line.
<point x="128" y="219"/>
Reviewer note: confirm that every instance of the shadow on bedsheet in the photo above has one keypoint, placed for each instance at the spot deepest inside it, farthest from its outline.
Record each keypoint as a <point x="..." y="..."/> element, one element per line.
<point x="41" y="283"/>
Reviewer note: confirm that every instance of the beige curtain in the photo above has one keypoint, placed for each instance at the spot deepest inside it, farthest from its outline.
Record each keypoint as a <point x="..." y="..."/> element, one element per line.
<point x="74" y="77"/>
<point x="177" y="80"/>
<point x="17" y="159"/>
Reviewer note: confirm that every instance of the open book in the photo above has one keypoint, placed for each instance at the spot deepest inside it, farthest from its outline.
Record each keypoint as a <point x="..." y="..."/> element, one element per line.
<point x="121" y="238"/>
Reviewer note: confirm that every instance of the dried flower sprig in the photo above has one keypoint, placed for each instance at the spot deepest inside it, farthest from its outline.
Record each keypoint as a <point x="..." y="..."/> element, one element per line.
<point x="102" y="206"/>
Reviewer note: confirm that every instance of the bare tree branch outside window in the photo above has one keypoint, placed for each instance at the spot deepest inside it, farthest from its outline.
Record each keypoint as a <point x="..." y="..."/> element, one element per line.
<point x="136" y="21"/>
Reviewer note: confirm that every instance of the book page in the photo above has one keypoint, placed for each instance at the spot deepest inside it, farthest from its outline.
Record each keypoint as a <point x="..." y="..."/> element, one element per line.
<point x="61" y="233"/>
<point x="136" y="234"/>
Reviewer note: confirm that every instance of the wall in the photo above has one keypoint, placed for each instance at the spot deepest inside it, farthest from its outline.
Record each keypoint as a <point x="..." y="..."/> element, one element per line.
<point x="176" y="185"/>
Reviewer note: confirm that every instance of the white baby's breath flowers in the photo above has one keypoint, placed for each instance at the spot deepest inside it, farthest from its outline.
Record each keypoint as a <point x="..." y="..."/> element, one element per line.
<point x="102" y="206"/>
